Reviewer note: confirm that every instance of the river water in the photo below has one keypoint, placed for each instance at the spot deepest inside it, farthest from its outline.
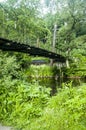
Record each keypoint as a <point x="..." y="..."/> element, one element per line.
<point x="54" y="83"/>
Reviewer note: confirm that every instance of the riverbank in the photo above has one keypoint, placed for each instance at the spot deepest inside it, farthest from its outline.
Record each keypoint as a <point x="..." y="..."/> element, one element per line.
<point x="32" y="108"/>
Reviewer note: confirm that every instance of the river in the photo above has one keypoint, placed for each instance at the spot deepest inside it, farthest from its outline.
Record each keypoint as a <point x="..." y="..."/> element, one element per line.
<point x="55" y="83"/>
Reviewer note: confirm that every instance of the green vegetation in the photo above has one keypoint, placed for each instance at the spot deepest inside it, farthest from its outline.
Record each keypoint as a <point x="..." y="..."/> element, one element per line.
<point x="40" y="71"/>
<point x="21" y="103"/>
<point x="24" y="21"/>
<point x="24" y="103"/>
<point x="65" y="111"/>
<point x="29" y="106"/>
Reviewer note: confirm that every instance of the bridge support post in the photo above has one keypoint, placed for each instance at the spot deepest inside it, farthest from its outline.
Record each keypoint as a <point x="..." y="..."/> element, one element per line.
<point x="67" y="63"/>
<point x="51" y="62"/>
<point x="38" y="42"/>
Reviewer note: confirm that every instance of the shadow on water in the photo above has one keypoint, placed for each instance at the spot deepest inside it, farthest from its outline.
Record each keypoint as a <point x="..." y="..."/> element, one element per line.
<point x="54" y="84"/>
<point x="75" y="81"/>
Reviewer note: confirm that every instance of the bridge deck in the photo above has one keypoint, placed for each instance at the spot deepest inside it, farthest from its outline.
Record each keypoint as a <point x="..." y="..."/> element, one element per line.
<point x="8" y="45"/>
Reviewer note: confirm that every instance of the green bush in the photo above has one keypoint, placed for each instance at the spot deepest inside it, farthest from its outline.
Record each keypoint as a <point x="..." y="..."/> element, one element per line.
<point x="22" y="102"/>
<point x="39" y="71"/>
<point x="65" y="111"/>
<point x="28" y="106"/>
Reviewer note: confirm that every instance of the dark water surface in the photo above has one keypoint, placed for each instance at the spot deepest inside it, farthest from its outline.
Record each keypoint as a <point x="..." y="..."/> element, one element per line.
<point x="54" y="84"/>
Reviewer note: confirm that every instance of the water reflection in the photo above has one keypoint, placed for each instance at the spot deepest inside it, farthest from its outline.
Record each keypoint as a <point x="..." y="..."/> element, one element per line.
<point x="54" y="84"/>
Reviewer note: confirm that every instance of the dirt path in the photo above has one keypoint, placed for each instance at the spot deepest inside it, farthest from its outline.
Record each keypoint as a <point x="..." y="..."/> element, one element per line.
<point x="4" y="127"/>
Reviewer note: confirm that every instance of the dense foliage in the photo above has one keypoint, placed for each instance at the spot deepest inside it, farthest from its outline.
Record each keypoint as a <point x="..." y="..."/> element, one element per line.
<point x="28" y="106"/>
<point x="65" y="111"/>
<point x="32" y="22"/>
<point x="20" y="21"/>
<point x="24" y="103"/>
<point x="20" y="100"/>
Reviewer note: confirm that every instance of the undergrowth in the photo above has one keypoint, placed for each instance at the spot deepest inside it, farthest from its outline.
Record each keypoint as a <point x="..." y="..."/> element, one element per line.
<point x="65" y="111"/>
<point x="39" y="71"/>
<point x="29" y="107"/>
<point x="21" y="102"/>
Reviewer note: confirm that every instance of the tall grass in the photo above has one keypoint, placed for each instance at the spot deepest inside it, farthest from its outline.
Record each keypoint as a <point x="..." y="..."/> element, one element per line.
<point x="20" y="102"/>
<point x="29" y="107"/>
<point x="65" y="111"/>
<point x="39" y="71"/>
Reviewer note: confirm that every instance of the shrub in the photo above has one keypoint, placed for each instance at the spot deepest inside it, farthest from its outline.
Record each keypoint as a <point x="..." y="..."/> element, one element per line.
<point x="65" y="111"/>
<point x="22" y="102"/>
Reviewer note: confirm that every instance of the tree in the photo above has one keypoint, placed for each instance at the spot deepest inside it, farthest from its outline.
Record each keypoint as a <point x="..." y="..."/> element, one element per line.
<point x="23" y="23"/>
